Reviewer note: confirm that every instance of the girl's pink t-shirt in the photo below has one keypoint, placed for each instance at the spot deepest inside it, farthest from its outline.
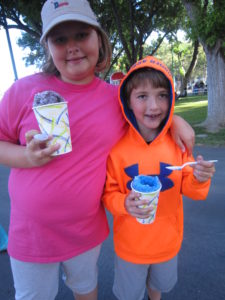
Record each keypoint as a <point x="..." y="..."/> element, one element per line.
<point x="56" y="209"/>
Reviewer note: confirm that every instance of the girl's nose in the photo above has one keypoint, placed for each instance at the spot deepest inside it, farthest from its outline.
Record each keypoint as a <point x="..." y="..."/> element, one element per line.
<point x="72" y="46"/>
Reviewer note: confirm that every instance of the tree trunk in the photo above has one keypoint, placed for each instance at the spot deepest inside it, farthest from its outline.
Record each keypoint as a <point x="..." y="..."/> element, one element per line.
<point x="216" y="89"/>
<point x="190" y="69"/>
<point x="215" y="71"/>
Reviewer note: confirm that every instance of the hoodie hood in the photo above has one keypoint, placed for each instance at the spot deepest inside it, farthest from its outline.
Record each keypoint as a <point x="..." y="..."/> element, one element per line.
<point x="153" y="63"/>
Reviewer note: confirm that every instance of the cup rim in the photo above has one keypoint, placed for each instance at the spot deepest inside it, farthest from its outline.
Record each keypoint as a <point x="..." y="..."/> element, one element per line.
<point x="144" y="193"/>
<point x="50" y="104"/>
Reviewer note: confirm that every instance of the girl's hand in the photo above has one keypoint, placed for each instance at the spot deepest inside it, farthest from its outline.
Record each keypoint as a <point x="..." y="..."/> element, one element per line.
<point x="183" y="134"/>
<point x="204" y="170"/>
<point x="131" y="205"/>
<point x="39" y="153"/>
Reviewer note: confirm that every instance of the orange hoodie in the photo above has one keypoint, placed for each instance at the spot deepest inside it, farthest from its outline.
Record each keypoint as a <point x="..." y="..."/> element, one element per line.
<point x="131" y="156"/>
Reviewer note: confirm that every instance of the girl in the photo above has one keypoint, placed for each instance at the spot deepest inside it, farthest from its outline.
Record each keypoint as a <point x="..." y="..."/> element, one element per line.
<point x="57" y="219"/>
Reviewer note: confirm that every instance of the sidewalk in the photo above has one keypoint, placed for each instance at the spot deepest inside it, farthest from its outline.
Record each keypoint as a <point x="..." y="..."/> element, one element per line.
<point x="201" y="273"/>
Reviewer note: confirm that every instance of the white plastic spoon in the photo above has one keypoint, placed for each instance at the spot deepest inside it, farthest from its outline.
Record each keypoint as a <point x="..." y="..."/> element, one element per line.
<point x="190" y="163"/>
<point x="41" y="137"/>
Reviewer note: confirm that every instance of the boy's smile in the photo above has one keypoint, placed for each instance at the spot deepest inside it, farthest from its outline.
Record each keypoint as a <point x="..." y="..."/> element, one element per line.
<point x="150" y="106"/>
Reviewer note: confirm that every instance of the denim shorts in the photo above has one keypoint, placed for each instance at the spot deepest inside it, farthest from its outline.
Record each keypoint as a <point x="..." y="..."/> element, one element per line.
<point x="131" y="279"/>
<point x="40" y="281"/>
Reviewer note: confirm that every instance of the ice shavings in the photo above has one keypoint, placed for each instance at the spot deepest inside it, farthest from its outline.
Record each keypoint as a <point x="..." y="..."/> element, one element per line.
<point x="143" y="183"/>
<point x="47" y="97"/>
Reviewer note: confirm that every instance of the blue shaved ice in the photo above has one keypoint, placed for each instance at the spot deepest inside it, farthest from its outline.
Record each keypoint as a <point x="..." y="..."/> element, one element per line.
<point x="145" y="184"/>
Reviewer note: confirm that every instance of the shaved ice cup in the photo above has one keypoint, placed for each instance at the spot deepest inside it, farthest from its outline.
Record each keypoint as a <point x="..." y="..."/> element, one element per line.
<point x="53" y="120"/>
<point x="153" y="198"/>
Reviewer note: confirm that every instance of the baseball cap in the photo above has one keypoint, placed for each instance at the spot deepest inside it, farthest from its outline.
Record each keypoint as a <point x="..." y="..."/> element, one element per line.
<point x="55" y="12"/>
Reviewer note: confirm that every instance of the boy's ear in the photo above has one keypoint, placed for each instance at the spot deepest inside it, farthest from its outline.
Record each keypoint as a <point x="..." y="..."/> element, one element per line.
<point x="128" y="104"/>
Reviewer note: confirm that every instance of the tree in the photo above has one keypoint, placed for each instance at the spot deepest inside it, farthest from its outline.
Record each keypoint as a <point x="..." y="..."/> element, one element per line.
<point x="190" y="69"/>
<point x="136" y="20"/>
<point x="208" y="19"/>
<point x="25" y="16"/>
<point x="128" y="23"/>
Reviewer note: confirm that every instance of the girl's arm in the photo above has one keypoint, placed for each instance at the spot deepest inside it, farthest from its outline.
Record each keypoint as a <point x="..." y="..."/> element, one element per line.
<point x="182" y="133"/>
<point x="34" y="154"/>
<point x="13" y="155"/>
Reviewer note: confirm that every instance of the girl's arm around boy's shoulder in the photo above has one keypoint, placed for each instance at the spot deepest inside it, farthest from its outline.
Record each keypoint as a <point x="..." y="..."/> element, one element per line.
<point x="196" y="182"/>
<point x="183" y="134"/>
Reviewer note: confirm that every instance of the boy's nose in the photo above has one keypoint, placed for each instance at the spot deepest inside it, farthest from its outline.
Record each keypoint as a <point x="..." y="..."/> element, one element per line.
<point x="152" y="103"/>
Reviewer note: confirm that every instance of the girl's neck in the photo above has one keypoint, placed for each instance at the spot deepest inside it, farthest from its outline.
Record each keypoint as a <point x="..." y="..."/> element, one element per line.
<point x="80" y="81"/>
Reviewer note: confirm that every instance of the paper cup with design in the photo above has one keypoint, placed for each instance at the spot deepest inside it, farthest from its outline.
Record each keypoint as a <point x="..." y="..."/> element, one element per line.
<point x="51" y="112"/>
<point x="149" y="187"/>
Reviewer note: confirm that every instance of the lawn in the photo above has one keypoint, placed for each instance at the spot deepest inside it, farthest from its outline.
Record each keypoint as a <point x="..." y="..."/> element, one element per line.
<point x="194" y="110"/>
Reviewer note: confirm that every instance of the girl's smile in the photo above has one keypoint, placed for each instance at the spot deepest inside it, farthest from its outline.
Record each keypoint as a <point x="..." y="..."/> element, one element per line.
<point x="74" y="48"/>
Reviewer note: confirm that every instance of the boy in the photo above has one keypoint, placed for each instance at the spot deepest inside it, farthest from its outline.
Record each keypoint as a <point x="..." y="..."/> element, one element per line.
<point x="147" y="254"/>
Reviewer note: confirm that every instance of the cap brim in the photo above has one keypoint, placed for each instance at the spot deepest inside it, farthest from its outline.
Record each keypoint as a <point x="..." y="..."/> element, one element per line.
<point x="67" y="18"/>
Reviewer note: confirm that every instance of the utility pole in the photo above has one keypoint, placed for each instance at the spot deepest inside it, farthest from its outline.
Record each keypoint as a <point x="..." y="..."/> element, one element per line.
<point x="9" y="45"/>
<point x="173" y="67"/>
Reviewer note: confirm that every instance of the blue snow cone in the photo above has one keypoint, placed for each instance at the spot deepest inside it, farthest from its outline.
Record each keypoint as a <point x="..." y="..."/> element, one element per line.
<point x="3" y="239"/>
<point x="146" y="184"/>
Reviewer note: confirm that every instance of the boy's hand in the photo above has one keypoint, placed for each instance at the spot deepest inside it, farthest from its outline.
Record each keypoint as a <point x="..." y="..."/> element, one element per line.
<point x="204" y="170"/>
<point x="38" y="153"/>
<point x="131" y="205"/>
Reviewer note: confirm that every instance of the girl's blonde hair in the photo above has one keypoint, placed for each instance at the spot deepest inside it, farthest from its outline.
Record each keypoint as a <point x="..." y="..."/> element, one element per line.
<point x="105" y="53"/>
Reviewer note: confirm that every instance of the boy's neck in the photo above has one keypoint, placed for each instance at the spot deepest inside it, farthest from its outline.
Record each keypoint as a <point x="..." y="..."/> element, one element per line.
<point x="149" y="135"/>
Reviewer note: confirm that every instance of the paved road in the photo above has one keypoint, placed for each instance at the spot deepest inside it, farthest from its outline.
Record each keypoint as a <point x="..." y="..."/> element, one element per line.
<point x="201" y="259"/>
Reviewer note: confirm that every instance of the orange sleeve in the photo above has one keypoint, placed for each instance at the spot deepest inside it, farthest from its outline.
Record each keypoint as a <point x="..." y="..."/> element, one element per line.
<point x="113" y="197"/>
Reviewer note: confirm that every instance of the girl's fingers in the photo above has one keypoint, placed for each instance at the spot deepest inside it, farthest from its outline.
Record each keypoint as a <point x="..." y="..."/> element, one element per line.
<point x="48" y="151"/>
<point x="181" y="145"/>
<point x="30" y="134"/>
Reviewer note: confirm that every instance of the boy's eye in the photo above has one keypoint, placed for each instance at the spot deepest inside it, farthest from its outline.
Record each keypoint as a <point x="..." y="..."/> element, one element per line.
<point x="142" y="96"/>
<point x="164" y="95"/>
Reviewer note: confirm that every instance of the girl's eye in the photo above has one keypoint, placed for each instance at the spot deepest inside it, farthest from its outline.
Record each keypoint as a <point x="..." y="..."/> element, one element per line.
<point x="81" y="36"/>
<point x="60" y="40"/>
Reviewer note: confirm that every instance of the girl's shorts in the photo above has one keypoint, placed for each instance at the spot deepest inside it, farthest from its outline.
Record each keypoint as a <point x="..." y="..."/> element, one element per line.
<point x="131" y="279"/>
<point x="40" y="281"/>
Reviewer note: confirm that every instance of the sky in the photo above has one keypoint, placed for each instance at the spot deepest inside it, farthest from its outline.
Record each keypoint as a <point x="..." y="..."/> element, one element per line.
<point x="6" y="69"/>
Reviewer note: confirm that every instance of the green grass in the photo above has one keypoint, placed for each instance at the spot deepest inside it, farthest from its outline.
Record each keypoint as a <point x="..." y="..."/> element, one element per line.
<point x="194" y="110"/>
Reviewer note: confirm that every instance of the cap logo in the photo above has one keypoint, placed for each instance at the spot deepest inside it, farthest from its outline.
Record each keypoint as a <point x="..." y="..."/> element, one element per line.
<point x="58" y="4"/>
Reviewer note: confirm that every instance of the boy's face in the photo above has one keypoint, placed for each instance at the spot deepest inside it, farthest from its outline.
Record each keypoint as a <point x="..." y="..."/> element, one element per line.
<point x="150" y="106"/>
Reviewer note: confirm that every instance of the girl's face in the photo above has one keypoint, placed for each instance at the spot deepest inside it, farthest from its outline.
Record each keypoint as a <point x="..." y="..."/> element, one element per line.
<point x="74" y="48"/>
<point x="150" y="106"/>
